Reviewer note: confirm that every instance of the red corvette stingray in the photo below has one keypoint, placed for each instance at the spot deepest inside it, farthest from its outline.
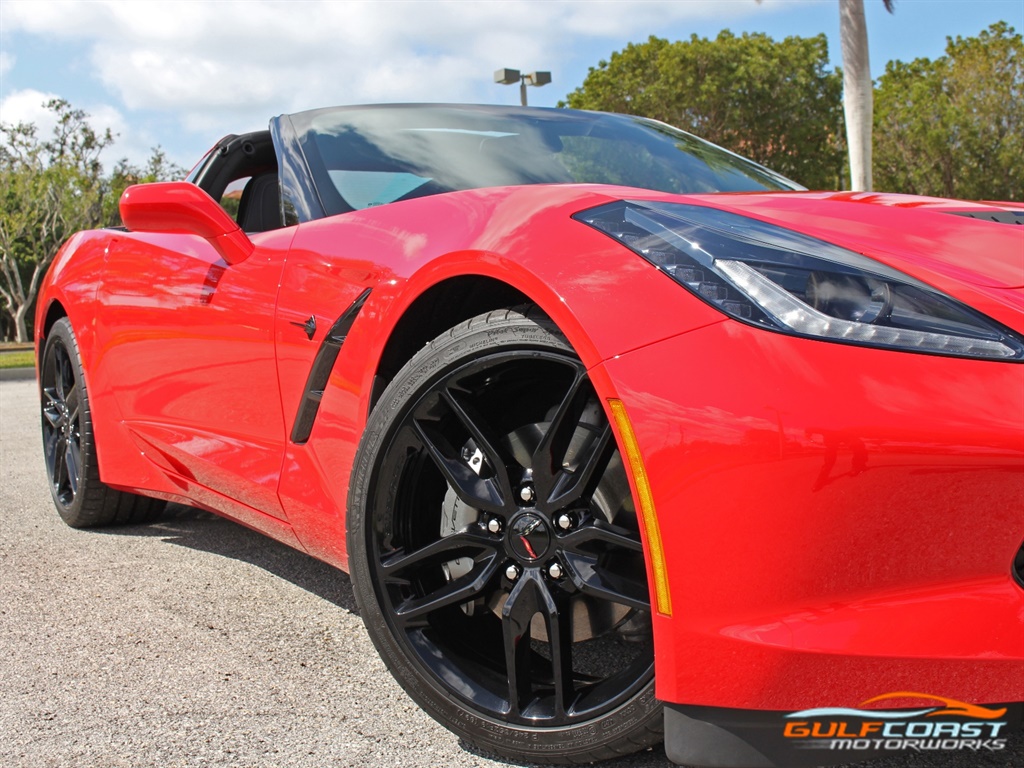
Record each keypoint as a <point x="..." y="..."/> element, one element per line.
<point x="616" y="432"/>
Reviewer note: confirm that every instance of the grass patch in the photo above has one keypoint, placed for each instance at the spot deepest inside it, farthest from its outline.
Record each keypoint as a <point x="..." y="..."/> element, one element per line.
<point x="26" y="359"/>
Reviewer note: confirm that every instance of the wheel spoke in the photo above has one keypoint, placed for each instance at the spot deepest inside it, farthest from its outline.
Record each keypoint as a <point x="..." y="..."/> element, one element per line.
<point x="476" y="491"/>
<point x="53" y="414"/>
<point x="602" y="533"/>
<point x="59" y="473"/>
<point x="570" y="486"/>
<point x="466" y="542"/>
<point x="462" y="590"/>
<point x="72" y="460"/>
<point x="62" y="372"/>
<point x="598" y="582"/>
<point x="71" y="401"/>
<point x="51" y="448"/>
<point x="559" y="625"/>
<point x="484" y="437"/>
<point x="547" y="458"/>
<point x="529" y="597"/>
<point x="523" y="602"/>
<point x="557" y="487"/>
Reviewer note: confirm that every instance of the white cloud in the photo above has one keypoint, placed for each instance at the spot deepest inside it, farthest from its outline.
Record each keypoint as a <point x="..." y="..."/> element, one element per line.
<point x="29" y="106"/>
<point x="217" y="67"/>
<point x="265" y="57"/>
<point x="6" y="63"/>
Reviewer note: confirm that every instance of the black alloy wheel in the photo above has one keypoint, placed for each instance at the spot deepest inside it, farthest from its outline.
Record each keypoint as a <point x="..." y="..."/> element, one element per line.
<point x="69" y="450"/>
<point x="496" y="551"/>
<point x="62" y="423"/>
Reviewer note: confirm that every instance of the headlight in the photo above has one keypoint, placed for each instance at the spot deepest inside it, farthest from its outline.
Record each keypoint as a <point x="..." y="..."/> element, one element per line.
<point x="775" y="278"/>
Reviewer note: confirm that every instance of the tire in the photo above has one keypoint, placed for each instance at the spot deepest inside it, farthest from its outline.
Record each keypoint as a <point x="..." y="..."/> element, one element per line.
<point x="495" y="550"/>
<point x="69" y="448"/>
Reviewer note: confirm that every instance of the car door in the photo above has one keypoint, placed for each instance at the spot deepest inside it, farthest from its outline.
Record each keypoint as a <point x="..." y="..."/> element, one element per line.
<point x="189" y="342"/>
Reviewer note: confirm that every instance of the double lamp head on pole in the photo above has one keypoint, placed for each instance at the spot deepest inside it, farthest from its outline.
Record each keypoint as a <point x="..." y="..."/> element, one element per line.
<point x="513" y="76"/>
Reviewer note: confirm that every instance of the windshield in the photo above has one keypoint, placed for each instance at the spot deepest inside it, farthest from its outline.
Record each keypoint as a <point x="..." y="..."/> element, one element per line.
<point x="365" y="156"/>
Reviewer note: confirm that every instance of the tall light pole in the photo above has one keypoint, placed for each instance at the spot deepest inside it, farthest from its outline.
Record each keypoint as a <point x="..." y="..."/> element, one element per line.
<point x="513" y="76"/>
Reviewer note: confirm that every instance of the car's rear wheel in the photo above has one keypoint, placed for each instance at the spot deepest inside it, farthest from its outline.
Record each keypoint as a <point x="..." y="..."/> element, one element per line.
<point x="495" y="548"/>
<point x="69" y="450"/>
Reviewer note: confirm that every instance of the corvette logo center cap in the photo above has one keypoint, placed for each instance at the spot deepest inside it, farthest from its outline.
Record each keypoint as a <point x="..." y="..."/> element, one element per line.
<point x="529" y="537"/>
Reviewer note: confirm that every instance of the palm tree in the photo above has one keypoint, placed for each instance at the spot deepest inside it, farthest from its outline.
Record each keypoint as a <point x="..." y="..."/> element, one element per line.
<point x="858" y="89"/>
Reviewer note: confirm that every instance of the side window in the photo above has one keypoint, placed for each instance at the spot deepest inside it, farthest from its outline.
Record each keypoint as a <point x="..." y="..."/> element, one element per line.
<point x="232" y="197"/>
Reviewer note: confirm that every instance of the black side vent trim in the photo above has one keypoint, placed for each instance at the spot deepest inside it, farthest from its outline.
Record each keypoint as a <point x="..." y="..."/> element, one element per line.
<point x="1000" y="217"/>
<point x="323" y="364"/>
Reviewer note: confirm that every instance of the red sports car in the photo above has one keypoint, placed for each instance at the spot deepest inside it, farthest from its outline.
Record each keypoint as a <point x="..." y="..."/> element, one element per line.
<point x="616" y="432"/>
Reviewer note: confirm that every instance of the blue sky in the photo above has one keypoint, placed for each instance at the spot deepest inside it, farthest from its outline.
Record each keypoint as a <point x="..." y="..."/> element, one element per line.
<point x="183" y="73"/>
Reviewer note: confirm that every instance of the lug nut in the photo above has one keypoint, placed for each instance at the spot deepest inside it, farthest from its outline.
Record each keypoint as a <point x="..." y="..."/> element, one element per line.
<point x="564" y="521"/>
<point x="555" y="571"/>
<point x="512" y="572"/>
<point x="526" y="493"/>
<point x="494" y="525"/>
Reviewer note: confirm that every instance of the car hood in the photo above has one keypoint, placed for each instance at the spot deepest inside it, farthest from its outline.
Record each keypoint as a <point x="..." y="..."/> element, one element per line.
<point x="929" y="238"/>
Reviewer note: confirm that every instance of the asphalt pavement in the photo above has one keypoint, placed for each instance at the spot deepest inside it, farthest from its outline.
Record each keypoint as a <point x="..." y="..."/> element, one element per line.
<point x="197" y="642"/>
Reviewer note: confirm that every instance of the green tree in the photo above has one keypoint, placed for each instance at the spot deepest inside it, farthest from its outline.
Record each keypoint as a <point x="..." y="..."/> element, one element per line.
<point x="50" y="189"/>
<point x="157" y="168"/>
<point x="954" y="127"/>
<point x="774" y="102"/>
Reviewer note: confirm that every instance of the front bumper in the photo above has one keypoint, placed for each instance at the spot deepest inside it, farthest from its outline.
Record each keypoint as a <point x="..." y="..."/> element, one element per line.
<point x="839" y="522"/>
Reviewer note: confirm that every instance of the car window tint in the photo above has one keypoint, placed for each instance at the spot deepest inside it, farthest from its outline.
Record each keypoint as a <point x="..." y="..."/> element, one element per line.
<point x="361" y="189"/>
<point x="598" y="160"/>
<point x="359" y="157"/>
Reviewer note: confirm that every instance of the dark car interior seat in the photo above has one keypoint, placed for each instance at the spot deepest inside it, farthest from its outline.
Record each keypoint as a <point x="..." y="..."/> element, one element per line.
<point x="234" y="158"/>
<point x="259" y="210"/>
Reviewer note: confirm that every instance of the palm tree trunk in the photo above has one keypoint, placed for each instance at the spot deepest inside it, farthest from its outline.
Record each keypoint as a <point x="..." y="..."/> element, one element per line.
<point x="858" y="103"/>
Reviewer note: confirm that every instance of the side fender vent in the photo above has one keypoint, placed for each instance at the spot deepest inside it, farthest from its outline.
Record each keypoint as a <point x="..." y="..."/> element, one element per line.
<point x="320" y="373"/>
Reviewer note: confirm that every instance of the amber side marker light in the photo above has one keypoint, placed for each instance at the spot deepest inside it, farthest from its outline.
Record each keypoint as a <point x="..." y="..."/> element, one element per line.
<point x="650" y="517"/>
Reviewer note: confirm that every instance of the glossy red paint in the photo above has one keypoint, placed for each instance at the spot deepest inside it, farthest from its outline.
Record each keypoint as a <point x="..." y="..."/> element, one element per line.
<point x="177" y="207"/>
<point x="187" y="351"/>
<point x="572" y="272"/>
<point x="826" y="508"/>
